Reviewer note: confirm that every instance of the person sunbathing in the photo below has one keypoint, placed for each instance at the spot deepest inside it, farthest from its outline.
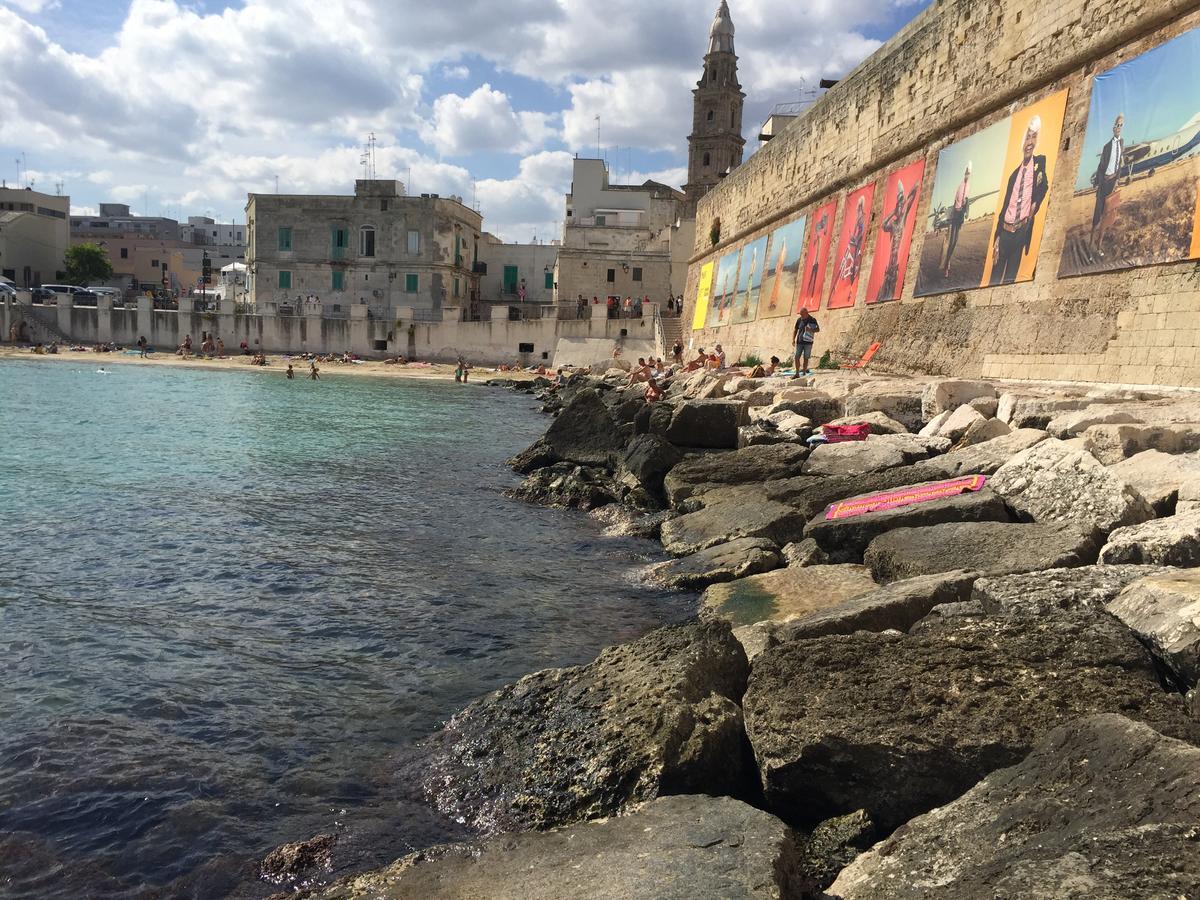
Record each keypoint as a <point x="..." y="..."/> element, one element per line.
<point x="698" y="362"/>
<point x="760" y="372"/>
<point x="653" y="392"/>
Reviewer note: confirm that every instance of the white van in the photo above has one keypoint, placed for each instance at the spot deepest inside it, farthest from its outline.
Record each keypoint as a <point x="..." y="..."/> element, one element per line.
<point x="65" y="288"/>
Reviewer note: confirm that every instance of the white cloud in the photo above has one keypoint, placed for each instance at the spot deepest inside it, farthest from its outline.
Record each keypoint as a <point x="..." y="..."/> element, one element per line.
<point x="32" y="6"/>
<point x="482" y="122"/>
<point x="84" y="210"/>
<point x="456" y="72"/>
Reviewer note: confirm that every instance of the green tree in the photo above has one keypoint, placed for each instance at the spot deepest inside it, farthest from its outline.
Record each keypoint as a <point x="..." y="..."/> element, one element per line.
<point x="87" y="263"/>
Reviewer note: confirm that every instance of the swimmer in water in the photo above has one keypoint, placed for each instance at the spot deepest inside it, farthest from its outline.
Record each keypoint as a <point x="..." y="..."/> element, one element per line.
<point x="100" y="371"/>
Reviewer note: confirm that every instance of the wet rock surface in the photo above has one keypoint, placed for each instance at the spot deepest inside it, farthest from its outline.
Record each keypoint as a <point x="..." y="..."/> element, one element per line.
<point x="708" y="848"/>
<point x="653" y="717"/>
<point x="897" y="725"/>
<point x="785" y="593"/>
<point x="292" y="862"/>
<point x="1103" y="808"/>
<point x="723" y="562"/>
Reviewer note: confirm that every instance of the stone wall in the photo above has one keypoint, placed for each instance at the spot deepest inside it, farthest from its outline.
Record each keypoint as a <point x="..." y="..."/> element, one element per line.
<point x="959" y="66"/>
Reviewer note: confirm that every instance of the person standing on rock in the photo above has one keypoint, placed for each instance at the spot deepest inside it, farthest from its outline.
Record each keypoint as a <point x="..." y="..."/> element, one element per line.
<point x="803" y="335"/>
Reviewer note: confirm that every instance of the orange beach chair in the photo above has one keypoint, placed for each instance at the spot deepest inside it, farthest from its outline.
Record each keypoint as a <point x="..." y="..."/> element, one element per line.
<point x="866" y="357"/>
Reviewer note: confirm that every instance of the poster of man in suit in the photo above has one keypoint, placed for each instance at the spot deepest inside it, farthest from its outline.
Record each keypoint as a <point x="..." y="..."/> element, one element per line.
<point x="1136" y="188"/>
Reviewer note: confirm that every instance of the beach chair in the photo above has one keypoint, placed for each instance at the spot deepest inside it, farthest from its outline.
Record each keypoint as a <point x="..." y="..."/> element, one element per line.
<point x="866" y="357"/>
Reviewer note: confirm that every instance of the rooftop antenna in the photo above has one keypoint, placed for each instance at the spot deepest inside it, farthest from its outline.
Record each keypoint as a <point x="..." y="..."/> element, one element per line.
<point x="597" y="136"/>
<point x="277" y="184"/>
<point x="371" y="156"/>
<point x="474" y="194"/>
<point x="58" y="188"/>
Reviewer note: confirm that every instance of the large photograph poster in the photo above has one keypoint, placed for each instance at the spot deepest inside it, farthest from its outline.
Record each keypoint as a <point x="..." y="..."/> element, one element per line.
<point x="1135" y="201"/>
<point x="816" y="258"/>
<point x="985" y="223"/>
<point x="782" y="278"/>
<point x="726" y="284"/>
<point x="745" y="304"/>
<point x="901" y="193"/>
<point x="703" y="293"/>
<point x="847" y="265"/>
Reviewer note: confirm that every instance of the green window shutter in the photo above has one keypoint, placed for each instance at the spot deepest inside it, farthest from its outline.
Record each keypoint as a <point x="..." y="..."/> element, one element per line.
<point x="410" y="283"/>
<point x="339" y="279"/>
<point x="549" y="281"/>
<point x="285" y="238"/>
<point x="510" y="279"/>
<point x="285" y="280"/>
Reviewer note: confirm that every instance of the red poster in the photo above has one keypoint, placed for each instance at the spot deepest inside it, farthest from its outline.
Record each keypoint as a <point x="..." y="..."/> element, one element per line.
<point x="847" y="265"/>
<point x="816" y="257"/>
<point x="894" y="236"/>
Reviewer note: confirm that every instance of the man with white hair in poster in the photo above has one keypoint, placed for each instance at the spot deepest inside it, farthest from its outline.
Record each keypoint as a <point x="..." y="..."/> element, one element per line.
<point x="1027" y="187"/>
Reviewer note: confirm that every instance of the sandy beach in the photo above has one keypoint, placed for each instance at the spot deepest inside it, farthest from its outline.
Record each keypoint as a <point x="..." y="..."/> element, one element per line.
<point x="276" y="364"/>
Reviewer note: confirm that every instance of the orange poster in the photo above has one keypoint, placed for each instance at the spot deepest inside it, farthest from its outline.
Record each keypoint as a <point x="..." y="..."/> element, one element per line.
<point x="816" y="257"/>
<point x="847" y="265"/>
<point x="901" y="194"/>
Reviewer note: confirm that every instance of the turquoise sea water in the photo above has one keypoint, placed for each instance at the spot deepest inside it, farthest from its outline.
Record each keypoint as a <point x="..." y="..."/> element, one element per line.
<point x="229" y="601"/>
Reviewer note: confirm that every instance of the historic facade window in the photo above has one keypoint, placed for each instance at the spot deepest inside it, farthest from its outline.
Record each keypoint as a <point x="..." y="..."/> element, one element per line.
<point x="366" y="240"/>
<point x="285" y="280"/>
<point x="285" y="238"/>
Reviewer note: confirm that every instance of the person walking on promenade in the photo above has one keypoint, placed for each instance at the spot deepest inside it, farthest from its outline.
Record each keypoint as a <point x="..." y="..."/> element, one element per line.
<point x="803" y="334"/>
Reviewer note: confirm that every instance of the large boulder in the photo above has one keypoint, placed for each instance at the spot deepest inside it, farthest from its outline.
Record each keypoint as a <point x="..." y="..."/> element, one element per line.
<point x="1159" y="477"/>
<point x="1076" y="422"/>
<point x="1050" y="482"/>
<point x="816" y="406"/>
<point x="982" y="430"/>
<point x="707" y="423"/>
<point x="568" y="486"/>
<point x="656" y="716"/>
<point x="724" y="562"/>
<point x="1164" y="611"/>
<point x="896" y="606"/>
<point x="877" y="452"/>
<point x="648" y="459"/>
<point x="585" y="432"/>
<point x="956" y="424"/>
<point x="950" y="393"/>
<point x="1052" y="590"/>
<point x="1103" y="808"/>
<point x="980" y="459"/>
<point x="1173" y="541"/>
<point x="899" y="724"/>
<point x="1113" y="443"/>
<point x="991" y="548"/>
<point x="1035" y="411"/>
<point x="903" y="406"/>
<point x="733" y="512"/>
<point x="804" y="553"/>
<point x="709" y="848"/>
<point x="702" y="472"/>
<point x="845" y="539"/>
<point x="785" y="593"/>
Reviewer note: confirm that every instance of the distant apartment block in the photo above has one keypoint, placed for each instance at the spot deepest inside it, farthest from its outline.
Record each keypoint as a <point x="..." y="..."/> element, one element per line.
<point x="377" y="246"/>
<point x="34" y="235"/>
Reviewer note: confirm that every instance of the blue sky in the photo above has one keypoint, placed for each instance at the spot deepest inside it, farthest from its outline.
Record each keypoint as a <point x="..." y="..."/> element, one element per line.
<point x="182" y="108"/>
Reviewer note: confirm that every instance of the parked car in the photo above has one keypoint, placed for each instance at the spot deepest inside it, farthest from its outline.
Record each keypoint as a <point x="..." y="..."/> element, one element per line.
<point x="7" y="290"/>
<point x="43" y="295"/>
<point x="118" y="299"/>
<point x="84" y="298"/>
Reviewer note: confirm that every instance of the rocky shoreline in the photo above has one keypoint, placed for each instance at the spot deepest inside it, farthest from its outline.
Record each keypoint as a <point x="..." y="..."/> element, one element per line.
<point x="980" y="683"/>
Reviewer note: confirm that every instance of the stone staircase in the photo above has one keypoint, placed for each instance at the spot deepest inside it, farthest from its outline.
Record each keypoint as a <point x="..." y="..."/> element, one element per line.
<point x="41" y="323"/>
<point x="670" y="330"/>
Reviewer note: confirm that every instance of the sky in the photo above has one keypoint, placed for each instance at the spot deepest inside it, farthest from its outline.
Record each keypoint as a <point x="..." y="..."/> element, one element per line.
<point x="182" y="108"/>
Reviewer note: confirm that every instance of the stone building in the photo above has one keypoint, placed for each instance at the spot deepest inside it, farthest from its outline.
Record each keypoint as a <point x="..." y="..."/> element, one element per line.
<point x="956" y="70"/>
<point x="116" y="217"/>
<point x="716" y="144"/>
<point x="34" y="235"/>
<point x="516" y="273"/>
<point x="377" y="247"/>
<point x="621" y="239"/>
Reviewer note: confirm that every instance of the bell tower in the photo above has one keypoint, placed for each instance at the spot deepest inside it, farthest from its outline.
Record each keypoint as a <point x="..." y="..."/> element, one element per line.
<point x="716" y="143"/>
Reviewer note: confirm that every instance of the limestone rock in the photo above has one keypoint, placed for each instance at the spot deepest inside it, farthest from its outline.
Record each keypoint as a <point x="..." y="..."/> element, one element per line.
<point x="654" y="418"/>
<point x="648" y="458"/>
<point x="859" y="457"/>
<point x="902" y="406"/>
<point x="897" y="606"/>
<point x="1159" y="477"/>
<point x="845" y="540"/>
<point x="785" y="593"/>
<point x="1076" y="422"/>
<point x="959" y="421"/>
<point x="816" y="406"/>
<point x="983" y="430"/>
<point x="723" y="562"/>
<point x="880" y="423"/>
<point x="1113" y="443"/>
<point x="585" y="433"/>
<point x="733" y="512"/>
<point x="1173" y="541"/>
<point x="707" y="423"/>
<point x="537" y="455"/>
<point x="980" y="459"/>
<point x="991" y="548"/>
<point x="951" y="393"/>
<point x="567" y="486"/>
<point x="804" y="553"/>
<point x="1035" y="412"/>
<point x="764" y="435"/>
<point x="1061" y="823"/>
<point x="985" y="406"/>
<point x="899" y="724"/>
<point x="297" y="860"/>
<point x="1051" y="483"/>
<point x="1051" y="590"/>
<point x="702" y="472"/>
<point x="1164" y="611"/>
<point x="933" y="426"/>
<point x="656" y="716"/>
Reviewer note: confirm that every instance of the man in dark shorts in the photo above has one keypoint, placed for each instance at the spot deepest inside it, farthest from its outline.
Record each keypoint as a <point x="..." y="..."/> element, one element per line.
<point x="803" y="335"/>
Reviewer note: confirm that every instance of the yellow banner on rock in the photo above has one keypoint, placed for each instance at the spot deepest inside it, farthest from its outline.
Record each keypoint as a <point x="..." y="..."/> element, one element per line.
<point x="703" y="293"/>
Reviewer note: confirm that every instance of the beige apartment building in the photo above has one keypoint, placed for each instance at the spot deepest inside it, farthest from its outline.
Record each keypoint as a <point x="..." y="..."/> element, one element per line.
<point x="378" y="247"/>
<point x="34" y="235"/>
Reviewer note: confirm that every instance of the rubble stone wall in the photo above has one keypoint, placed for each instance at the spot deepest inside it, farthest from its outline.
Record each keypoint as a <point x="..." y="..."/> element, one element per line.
<point x="958" y="67"/>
